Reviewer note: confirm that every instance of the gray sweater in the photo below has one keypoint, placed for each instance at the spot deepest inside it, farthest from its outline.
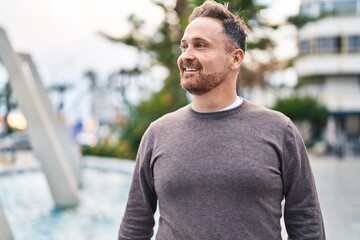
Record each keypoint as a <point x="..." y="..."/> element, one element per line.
<point x="220" y="176"/>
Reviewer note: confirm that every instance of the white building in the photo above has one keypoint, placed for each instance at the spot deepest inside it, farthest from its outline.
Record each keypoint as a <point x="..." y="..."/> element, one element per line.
<point x="328" y="67"/>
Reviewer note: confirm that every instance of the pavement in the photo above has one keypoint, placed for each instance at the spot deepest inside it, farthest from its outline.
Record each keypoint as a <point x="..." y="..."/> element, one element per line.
<point x="337" y="181"/>
<point x="338" y="185"/>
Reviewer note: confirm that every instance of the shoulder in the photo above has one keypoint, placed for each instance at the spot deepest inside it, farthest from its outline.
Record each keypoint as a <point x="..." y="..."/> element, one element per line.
<point x="273" y="122"/>
<point x="266" y="122"/>
<point x="264" y="114"/>
<point x="170" y="120"/>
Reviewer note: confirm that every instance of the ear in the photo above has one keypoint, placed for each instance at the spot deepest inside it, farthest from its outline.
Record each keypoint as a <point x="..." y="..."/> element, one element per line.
<point x="237" y="58"/>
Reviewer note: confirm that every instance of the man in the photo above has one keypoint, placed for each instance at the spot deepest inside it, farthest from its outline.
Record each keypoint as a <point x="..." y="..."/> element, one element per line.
<point x="220" y="167"/>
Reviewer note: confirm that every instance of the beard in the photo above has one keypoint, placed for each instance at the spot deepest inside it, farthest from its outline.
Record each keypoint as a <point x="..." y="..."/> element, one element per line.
<point x="201" y="83"/>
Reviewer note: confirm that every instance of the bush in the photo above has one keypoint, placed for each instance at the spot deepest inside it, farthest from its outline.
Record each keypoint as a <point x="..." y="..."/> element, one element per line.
<point x="304" y="110"/>
<point x="121" y="150"/>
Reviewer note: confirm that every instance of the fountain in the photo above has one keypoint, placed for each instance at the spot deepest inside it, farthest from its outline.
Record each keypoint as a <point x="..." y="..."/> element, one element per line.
<point x="32" y="214"/>
<point x="49" y="140"/>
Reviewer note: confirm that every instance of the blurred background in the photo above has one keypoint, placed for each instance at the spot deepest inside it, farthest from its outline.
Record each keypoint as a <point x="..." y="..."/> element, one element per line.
<point x="109" y="70"/>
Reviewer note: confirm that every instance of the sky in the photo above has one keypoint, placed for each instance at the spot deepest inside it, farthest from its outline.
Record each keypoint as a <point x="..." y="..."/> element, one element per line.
<point x="62" y="35"/>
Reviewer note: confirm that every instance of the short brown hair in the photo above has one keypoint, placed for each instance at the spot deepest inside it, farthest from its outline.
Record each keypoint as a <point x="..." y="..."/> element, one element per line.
<point x="234" y="26"/>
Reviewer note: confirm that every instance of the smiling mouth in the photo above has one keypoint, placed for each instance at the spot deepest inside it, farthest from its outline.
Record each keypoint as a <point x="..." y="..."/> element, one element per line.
<point x="190" y="70"/>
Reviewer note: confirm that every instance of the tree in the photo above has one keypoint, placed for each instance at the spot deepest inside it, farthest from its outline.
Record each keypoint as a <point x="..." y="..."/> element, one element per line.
<point x="7" y="98"/>
<point x="121" y="81"/>
<point x="61" y="89"/>
<point x="162" y="51"/>
<point x="92" y="77"/>
<point x="304" y="111"/>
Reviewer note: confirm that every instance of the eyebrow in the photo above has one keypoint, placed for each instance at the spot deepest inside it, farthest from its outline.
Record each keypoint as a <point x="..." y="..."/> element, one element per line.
<point x="195" y="39"/>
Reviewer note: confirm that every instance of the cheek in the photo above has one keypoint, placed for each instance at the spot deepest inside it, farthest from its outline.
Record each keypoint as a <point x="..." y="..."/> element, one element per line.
<point x="206" y="56"/>
<point x="178" y="61"/>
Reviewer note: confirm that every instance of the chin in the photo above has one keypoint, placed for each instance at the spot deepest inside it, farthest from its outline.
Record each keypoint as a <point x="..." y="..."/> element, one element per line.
<point x="194" y="90"/>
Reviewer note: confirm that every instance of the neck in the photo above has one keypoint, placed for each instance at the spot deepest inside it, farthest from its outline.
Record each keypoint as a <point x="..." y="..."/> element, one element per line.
<point x="213" y="101"/>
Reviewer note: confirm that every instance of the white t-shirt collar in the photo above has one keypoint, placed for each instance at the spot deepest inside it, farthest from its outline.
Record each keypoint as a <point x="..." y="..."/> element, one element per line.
<point x="239" y="100"/>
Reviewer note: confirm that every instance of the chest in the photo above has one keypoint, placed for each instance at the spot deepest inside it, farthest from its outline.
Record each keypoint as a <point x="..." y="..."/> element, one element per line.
<point x="215" y="162"/>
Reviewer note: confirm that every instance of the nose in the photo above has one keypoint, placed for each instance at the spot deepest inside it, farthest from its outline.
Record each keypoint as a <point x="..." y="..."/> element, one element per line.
<point x="186" y="55"/>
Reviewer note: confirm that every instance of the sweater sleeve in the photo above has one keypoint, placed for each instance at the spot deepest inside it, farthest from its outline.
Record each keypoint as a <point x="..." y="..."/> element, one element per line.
<point x="138" y="220"/>
<point x="302" y="213"/>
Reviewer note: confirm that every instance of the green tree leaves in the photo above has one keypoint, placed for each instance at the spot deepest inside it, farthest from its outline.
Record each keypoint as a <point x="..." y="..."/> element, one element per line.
<point x="306" y="110"/>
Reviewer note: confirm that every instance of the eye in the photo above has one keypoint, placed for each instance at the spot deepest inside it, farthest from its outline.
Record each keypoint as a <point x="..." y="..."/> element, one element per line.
<point x="183" y="47"/>
<point x="200" y="45"/>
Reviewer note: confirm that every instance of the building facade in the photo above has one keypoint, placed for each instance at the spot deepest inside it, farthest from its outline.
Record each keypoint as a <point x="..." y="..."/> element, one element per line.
<point x="328" y="67"/>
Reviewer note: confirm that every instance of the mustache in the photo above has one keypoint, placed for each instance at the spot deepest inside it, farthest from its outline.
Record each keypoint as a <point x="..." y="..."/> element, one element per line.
<point x="191" y="64"/>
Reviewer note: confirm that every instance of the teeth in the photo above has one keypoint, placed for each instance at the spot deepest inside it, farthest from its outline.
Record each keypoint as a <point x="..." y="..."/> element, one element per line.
<point x="190" y="69"/>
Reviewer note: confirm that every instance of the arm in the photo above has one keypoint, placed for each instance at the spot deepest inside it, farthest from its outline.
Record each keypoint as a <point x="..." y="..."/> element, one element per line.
<point x="138" y="220"/>
<point x="302" y="213"/>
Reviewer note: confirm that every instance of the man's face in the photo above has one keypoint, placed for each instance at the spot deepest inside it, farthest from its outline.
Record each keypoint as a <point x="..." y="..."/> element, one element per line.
<point x="204" y="63"/>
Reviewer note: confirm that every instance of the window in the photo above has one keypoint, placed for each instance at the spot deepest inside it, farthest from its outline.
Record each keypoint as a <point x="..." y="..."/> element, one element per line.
<point x="352" y="125"/>
<point x="353" y="44"/>
<point x="328" y="45"/>
<point x="344" y="8"/>
<point x="305" y="9"/>
<point x="317" y="8"/>
<point x="305" y="47"/>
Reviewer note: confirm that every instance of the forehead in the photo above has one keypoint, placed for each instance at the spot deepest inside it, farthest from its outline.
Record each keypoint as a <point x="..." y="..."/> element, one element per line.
<point x="203" y="28"/>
